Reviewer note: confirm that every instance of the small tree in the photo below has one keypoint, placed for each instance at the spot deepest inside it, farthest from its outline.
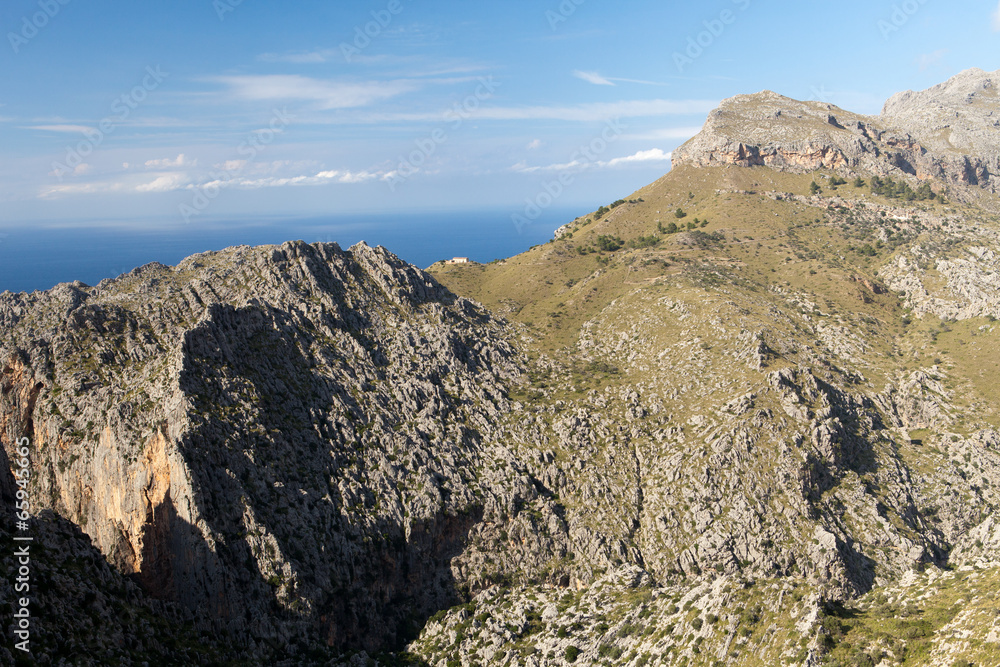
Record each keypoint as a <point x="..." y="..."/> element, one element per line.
<point x="814" y="188"/>
<point x="867" y="250"/>
<point x="859" y="182"/>
<point x="679" y="213"/>
<point x="609" y="243"/>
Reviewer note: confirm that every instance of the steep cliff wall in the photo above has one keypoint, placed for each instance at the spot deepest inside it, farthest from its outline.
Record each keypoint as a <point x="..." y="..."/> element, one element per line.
<point x="293" y="440"/>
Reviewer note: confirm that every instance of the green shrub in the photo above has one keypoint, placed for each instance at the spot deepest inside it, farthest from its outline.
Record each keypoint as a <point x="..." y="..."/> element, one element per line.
<point x="609" y="243"/>
<point x="644" y="242"/>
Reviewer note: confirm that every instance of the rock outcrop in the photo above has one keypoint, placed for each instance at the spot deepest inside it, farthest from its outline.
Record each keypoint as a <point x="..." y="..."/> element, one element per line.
<point x="294" y="441"/>
<point x="947" y="134"/>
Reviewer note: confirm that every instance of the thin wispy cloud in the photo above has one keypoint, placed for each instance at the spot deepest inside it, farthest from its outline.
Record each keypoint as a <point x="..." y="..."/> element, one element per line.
<point x="134" y="121"/>
<point x="601" y="80"/>
<point x="167" y="163"/>
<point x="996" y="19"/>
<point x="401" y="67"/>
<point x="321" y="178"/>
<point x="592" y="77"/>
<point x="590" y="112"/>
<point x="172" y="182"/>
<point x="651" y="155"/>
<point x="83" y="189"/>
<point x="328" y="94"/>
<point x="60" y="128"/>
<point x="304" y="58"/>
<point x="164" y="183"/>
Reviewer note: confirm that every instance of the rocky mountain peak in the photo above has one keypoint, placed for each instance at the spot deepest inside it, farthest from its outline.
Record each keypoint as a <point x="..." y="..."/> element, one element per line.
<point x="964" y="89"/>
<point x="959" y="116"/>
<point x="947" y="134"/>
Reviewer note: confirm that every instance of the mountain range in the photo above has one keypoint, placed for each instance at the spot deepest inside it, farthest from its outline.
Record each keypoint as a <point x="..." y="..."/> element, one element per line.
<point x="746" y="415"/>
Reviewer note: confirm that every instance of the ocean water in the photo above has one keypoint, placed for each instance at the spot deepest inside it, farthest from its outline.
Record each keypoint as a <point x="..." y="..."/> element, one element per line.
<point x="39" y="257"/>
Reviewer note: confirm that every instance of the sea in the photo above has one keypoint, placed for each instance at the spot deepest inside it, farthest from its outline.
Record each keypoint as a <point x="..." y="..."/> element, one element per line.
<point x="39" y="256"/>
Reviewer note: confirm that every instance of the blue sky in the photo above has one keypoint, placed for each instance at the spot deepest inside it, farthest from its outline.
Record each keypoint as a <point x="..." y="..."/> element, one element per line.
<point x="173" y="113"/>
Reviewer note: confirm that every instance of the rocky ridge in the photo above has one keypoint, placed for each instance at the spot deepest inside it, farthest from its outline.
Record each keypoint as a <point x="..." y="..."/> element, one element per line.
<point x="945" y="135"/>
<point x="296" y="440"/>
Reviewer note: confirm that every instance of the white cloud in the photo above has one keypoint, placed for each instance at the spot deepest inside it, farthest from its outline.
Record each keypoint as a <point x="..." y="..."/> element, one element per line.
<point x="592" y="77"/>
<point x="171" y="182"/>
<point x="81" y="169"/>
<point x="996" y="19"/>
<point x="61" y="128"/>
<point x="329" y="94"/>
<point x="167" y="163"/>
<point x="523" y="168"/>
<point x="82" y="188"/>
<point x="651" y="155"/>
<point x="534" y="144"/>
<point x="232" y="165"/>
<point x="164" y="183"/>
<point x="321" y="178"/>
